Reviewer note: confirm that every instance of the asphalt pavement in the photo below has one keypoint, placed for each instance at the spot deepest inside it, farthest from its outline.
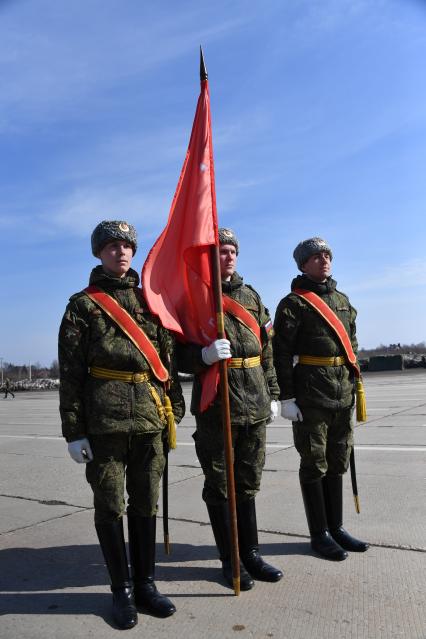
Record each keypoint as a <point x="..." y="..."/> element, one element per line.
<point x="53" y="581"/>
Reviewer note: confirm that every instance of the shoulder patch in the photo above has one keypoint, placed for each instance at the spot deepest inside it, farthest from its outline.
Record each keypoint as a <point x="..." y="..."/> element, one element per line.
<point x="268" y="326"/>
<point x="267" y="331"/>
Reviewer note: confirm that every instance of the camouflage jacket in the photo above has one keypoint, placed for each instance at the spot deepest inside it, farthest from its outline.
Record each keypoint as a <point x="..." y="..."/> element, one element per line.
<point x="300" y="330"/>
<point x="88" y="337"/>
<point x="250" y="389"/>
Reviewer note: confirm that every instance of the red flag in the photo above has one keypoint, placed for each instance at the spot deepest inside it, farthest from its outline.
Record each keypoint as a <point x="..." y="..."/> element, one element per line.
<point x="177" y="275"/>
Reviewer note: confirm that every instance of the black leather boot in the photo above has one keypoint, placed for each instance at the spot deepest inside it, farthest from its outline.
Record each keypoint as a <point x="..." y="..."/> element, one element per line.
<point x="321" y="540"/>
<point x="219" y="519"/>
<point x="333" y="495"/>
<point x="249" y="544"/>
<point x="142" y="558"/>
<point x="111" y="539"/>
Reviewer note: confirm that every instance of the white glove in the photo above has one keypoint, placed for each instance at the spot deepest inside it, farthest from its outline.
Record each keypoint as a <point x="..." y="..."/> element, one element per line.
<point x="291" y="411"/>
<point x="219" y="349"/>
<point x="274" y="409"/>
<point x="80" y="451"/>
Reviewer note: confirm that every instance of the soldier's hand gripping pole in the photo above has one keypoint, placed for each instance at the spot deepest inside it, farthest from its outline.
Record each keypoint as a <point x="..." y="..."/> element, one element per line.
<point x="226" y="423"/>
<point x="354" y="482"/>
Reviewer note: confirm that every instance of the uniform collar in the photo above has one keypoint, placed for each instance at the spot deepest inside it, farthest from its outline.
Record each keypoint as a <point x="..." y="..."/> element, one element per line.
<point x="303" y="281"/>
<point x="233" y="284"/>
<point x="98" y="277"/>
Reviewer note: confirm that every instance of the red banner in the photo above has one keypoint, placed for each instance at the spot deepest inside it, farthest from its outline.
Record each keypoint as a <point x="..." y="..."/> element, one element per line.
<point x="177" y="276"/>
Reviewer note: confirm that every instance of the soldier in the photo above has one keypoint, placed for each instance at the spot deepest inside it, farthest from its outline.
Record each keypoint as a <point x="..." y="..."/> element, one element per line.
<point x="7" y="389"/>
<point x="317" y="394"/>
<point x="253" y="391"/>
<point x="113" y="416"/>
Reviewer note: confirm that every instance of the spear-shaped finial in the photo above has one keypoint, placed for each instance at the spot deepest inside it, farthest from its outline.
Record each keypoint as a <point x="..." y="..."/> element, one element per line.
<point x="203" y="70"/>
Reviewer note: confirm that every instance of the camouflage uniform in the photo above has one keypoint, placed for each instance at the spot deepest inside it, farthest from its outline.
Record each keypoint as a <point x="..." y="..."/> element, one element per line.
<point x="120" y="419"/>
<point x="325" y="394"/>
<point x="113" y="425"/>
<point x="250" y="393"/>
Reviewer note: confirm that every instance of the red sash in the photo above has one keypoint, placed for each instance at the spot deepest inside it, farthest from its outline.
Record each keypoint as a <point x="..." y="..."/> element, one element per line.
<point x="243" y="315"/>
<point x="333" y="321"/>
<point x="133" y="331"/>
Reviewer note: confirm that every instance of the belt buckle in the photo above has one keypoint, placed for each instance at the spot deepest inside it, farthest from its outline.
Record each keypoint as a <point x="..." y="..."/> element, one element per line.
<point x="245" y="363"/>
<point x="137" y="378"/>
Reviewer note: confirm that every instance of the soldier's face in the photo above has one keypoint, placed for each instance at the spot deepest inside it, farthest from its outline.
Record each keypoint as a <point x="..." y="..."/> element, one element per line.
<point x="318" y="267"/>
<point x="228" y="260"/>
<point x="116" y="258"/>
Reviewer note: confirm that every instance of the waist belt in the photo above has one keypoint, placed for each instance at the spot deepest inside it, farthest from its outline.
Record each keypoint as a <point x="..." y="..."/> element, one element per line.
<point x="165" y="412"/>
<point x="244" y="362"/>
<point x="311" y="360"/>
<point x="122" y="376"/>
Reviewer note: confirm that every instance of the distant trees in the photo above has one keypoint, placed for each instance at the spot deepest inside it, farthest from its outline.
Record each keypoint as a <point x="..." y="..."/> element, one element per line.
<point x="54" y="369"/>
<point x="17" y="373"/>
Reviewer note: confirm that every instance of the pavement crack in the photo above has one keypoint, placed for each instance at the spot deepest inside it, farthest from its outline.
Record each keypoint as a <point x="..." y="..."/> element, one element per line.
<point x="43" y="521"/>
<point x="398" y="412"/>
<point x="283" y="533"/>
<point x="378" y="544"/>
<point x="285" y="448"/>
<point x="43" y="502"/>
<point x="181" y="481"/>
<point x="187" y="466"/>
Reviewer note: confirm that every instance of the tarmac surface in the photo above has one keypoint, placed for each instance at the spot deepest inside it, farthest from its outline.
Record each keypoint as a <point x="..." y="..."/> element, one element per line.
<point x="53" y="582"/>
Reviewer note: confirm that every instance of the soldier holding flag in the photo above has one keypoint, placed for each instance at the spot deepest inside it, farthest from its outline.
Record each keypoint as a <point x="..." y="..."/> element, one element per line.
<point x="117" y="375"/>
<point x="253" y="391"/>
<point x="316" y="323"/>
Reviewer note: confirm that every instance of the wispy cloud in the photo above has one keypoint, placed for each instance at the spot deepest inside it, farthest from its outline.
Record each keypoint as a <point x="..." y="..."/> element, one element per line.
<point x="407" y="274"/>
<point x="84" y="208"/>
<point x="45" y="74"/>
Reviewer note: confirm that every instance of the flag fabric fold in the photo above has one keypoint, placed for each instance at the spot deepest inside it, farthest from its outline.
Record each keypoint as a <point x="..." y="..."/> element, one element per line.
<point x="177" y="276"/>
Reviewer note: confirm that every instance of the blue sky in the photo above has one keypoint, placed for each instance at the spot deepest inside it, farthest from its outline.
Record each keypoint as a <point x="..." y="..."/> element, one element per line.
<point x="319" y="128"/>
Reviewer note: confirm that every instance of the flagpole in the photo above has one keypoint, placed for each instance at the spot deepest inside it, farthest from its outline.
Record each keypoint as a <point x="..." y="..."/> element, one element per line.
<point x="226" y="423"/>
<point x="224" y="391"/>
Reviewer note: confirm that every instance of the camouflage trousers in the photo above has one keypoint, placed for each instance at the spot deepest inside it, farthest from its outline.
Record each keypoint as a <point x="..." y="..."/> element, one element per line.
<point x="324" y="442"/>
<point x="121" y="460"/>
<point x="248" y="444"/>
